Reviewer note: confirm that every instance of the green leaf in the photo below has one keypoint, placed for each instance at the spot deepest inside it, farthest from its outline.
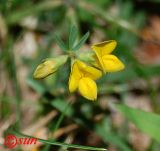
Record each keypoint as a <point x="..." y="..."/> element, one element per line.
<point x="36" y="85"/>
<point x="59" y="121"/>
<point x="72" y="36"/>
<point x="147" y="122"/>
<point x="60" y="43"/>
<point x="82" y="41"/>
<point x="60" y="105"/>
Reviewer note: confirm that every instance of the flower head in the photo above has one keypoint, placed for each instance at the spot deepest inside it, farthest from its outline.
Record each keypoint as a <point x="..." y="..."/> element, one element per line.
<point x="104" y="60"/>
<point x="82" y="77"/>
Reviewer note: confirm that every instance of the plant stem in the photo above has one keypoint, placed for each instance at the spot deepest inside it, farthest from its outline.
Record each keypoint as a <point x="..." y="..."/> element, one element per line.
<point x="58" y="123"/>
<point x="62" y="144"/>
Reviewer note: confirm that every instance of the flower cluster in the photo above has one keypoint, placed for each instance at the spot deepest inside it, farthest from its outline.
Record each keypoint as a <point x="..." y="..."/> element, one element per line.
<point x="84" y="74"/>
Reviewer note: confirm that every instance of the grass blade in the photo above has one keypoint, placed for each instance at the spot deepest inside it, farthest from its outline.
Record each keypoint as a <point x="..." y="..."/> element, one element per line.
<point x="103" y="129"/>
<point x="62" y="144"/>
<point x="147" y="122"/>
<point x="19" y="14"/>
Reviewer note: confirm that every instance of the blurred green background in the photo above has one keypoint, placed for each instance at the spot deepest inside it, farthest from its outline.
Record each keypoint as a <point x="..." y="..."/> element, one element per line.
<point x="125" y="116"/>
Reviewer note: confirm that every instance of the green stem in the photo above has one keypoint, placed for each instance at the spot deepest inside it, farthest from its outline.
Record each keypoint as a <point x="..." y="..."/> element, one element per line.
<point x="16" y="16"/>
<point x="96" y="11"/>
<point x="10" y="60"/>
<point x="62" y="144"/>
<point x="62" y="116"/>
<point x="59" y="122"/>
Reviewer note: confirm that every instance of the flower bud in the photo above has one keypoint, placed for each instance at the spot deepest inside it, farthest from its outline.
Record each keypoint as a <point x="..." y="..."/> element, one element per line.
<point x="49" y="66"/>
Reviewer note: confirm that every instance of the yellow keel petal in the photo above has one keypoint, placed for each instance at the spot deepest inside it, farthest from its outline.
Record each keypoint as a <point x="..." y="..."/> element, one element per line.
<point x="88" y="88"/>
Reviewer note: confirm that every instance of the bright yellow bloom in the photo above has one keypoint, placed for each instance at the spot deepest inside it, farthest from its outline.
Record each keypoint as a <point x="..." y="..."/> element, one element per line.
<point x="82" y="77"/>
<point x="104" y="59"/>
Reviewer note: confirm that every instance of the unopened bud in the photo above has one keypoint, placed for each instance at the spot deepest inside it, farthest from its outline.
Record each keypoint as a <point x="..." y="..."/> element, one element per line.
<point x="49" y="66"/>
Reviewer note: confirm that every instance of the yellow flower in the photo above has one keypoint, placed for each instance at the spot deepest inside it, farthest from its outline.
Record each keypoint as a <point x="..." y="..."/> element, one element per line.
<point x="49" y="66"/>
<point x="82" y="78"/>
<point x="104" y="59"/>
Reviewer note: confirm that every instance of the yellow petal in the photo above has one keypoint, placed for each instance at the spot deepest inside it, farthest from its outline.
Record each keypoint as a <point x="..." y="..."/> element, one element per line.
<point x="112" y="63"/>
<point x="74" y="78"/>
<point x="81" y="70"/>
<point x="105" y="47"/>
<point x="102" y="49"/>
<point x="89" y="71"/>
<point x="96" y="62"/>
<point x="92" y="73"/>
<point x="88" y="88"/>
<point x="44" y="69"/>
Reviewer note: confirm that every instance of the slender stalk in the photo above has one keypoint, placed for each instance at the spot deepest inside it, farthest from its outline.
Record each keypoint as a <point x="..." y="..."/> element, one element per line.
<point x="18" y="15"/>
<point x="62" y="144"/>
<point x="10" y="60"/>
<point x="57" y="125"/>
